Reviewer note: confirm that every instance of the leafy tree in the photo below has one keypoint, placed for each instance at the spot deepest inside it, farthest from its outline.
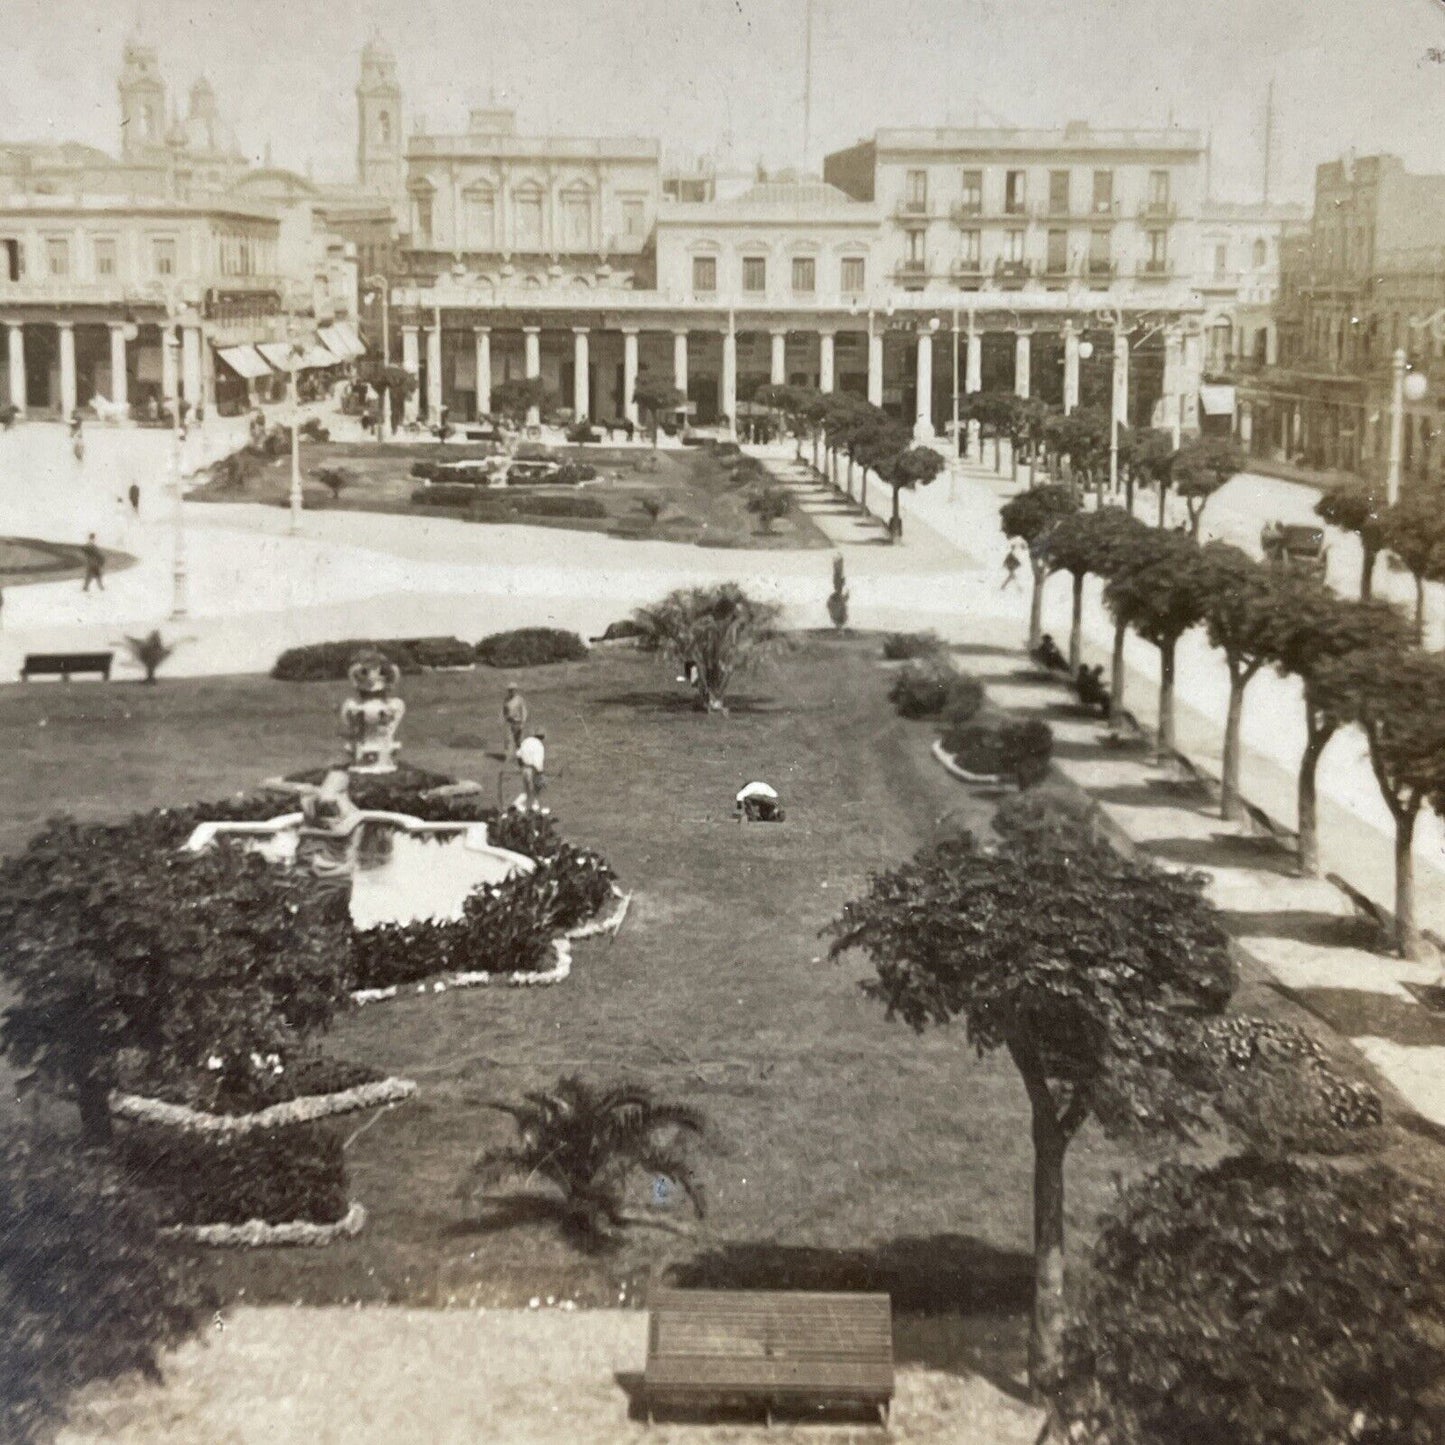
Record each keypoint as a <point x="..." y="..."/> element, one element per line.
<point x="1313" y="628"/>
<point x="335" y="480"/>
<point x="901" y="464"/>
<point x="1202" y="467"/>
<point x="1032" y="517"/>
<point x="1078" y="545"/>
<point x="149" y="652"/>
<point x="769" y="505"/>
<point x="1262" y="1301"/>
<point x="851" y="422"/>
<point x="658" y="398"/>
<point x="1145" y="454"/>
<point x="519" y="396"/>
<point x="88" y="1289"/>
<point x="1414" y="530"/>
<point x="716" y="631"/>
<point x="1116" y="537"/>
<point x="395" y="381"/>
<point x="1160" y="593"/>
<point x="1094" y="972"/>
<point x="1082" y="436"/>
<point x="1240" y="596"/>
<point x="116" y="942"/>
<point x="838" y="597"/>
<point x="1357" y="510"/>
<point x="994" y="413"/>
<point x="792" y="403"/>
<point x="588" y="1143"/>
<point x="1398" y="699"/>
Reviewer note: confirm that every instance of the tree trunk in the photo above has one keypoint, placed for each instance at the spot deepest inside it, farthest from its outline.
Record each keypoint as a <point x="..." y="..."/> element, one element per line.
<point x="1076" y="626"/>
<point x="93" y="1098"/>
<point x="1046" y="1333"/>
<point x="1166" y="698"/>
<point x="1116" y="678"/>
<point x="1230" y="807"/>
<point x="1307" y="806"/>
<point x="1407" y="934"/>
<point x="1129" y="492"/>
<point x="816" y="467"/>
<point x="895" y="522"/>
<point x="1036" y="606"/>
<point x="997" y="453"/>
<point x="863" y="489"/>
<point x="1367" y="571"/>
<point x="1419" y="609"/>
<point x="1196" y="516"/>
<point x="1163" y="494"/>
<point x="850" y="476"/>
<point x="1013" y="457"/>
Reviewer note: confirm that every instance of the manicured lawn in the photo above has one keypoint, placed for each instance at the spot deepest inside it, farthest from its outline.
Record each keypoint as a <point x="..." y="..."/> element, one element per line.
<point x="848" y="1152"/>
<point x="700" y="501"/>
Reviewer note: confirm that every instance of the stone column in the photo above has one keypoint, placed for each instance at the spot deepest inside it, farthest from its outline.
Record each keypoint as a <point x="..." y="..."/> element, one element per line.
<point x="728" y="381"/>
<point x="779" y="373"/>
<point x="532" y="343"/>
<point x="434" y="373"/>
<point x="1023" y="350"/>
<point x="483" y="338"/>
<point x="679" y="361"/>
<point x="1071" y="367"/>
<point x="875" y="368"/>
<point x="191" y="364"/>
<point x="1121" y="378"/>
<point x="581" y="387"/>
<point x="1173" y="345"/>
<point x="973" y="372"/>
<point x="923" y="419"/>
<point x="170" y="383"/>
<point x="411" y="362"/>
<point x="119" y="382"/>
<point x="1191" y="374"/>
<point x="15" y="340"/>
<point x="825" y="361"/>
<point x="629" y="373"/>
<point x="67" y="367"/>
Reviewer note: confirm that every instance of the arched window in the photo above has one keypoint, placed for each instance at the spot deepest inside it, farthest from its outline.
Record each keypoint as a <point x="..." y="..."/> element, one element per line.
<point x="1260" y="253"/>
<point x="383" y="127"/>
<point x="577" y="217"/>
<point x="481" y="214"/>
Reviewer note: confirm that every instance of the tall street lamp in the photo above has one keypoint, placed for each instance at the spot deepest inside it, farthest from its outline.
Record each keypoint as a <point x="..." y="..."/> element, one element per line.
<point x="180" y="576"/>
<point x="382" y="288"/>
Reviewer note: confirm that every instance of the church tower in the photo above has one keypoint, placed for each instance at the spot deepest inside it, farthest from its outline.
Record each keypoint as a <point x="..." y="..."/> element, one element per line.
<point x="142" y="100"/>
<point x="380" y="150"/>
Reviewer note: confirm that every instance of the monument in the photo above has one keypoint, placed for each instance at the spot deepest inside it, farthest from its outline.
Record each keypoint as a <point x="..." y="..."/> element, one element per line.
<point x="370" y="720"/>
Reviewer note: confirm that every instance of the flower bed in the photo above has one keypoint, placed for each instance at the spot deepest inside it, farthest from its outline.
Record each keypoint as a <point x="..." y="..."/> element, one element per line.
<point x="257" y="1234"/>
<point x="304" y="1109"/>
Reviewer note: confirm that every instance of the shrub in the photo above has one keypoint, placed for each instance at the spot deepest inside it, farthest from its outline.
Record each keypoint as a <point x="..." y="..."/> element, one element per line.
<point x="533" y="834"/>
<point x="312" y="430"/>
<point x="335" y="480"/>
<point x="530" y="647"/>
<point x="964" y="701"/>
<point x="1046" y="810"/>
<point x="448" y="494"/>
<point x="838" y="597"/>
<point x="978" y="748"/>
<point x="440" y="652"/>
<point x="88" y="1290"/>
<point x="582" y="433"/>
<point x="232" y="472"/>
<point x="572" y="472"/>
<point x="424" y="471"/>
<point x="769" y="506"/>
<point x="260" y="1087"/>
<point x="900" y="646"/>
<point x="625" y="631"/>
<point x="117" y="945"/>
<point x="591" y="508"/>
<point x="276" y="1175"/>
<point x="920" y="691"/>
<point x="329" y="661"/>
<point x="1019" y="750"/>
<point x="149" y="652"/>
<point x="1029" y="745"/>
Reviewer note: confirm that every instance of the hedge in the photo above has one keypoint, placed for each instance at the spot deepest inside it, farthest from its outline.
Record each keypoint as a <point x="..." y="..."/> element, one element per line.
<point x="965" y="700"/>
<point x="920" y="691"/>
<point x="88" y="1290"/>
<point x="260" y="1088"/>
<point x="274" y="1175"/>
<point x="901" y="646"/>
<point x="1020" y="750"/>
<point x="530" y="647"/>
<point x="330" y="661"/>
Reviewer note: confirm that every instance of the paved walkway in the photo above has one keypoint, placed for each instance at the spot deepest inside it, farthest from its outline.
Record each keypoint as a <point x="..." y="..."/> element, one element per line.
<point x="456" y="1377"/>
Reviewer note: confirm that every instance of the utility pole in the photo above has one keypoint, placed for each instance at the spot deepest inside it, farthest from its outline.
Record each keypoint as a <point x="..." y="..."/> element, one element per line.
<point x="807" y="82"/>
<point x="1268" y="136"/>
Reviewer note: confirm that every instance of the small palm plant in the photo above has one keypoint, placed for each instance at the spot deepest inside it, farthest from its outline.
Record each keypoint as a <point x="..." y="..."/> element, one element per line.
<point x="334" y="479"/>
<point x="588" y="1143"/>
<point x="149" y="652"/>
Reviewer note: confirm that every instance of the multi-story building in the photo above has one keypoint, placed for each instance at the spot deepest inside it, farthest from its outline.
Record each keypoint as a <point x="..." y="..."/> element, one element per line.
<point x="1363" y="284"/>
<point x="802" y="278"/>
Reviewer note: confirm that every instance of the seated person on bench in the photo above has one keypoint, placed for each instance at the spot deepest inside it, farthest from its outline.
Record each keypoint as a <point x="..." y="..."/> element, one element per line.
<point x="1090" y="687"/>
<point x="1049" y="655"/>
<point x="758" y="803"/>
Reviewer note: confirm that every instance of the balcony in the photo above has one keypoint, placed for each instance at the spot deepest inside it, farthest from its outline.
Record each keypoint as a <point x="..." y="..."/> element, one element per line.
<point x="969" y="273"/>
<point x="912" y="209"/>
<point x="1057" y="268"/>
<point x="1161" y="212"/>
<point x="1012" y="273"/>
<point x="1155" y="270"/>
<point x="912" y="270"/>
<point x="1104" y="271"/>
<point x="965" y="212"/>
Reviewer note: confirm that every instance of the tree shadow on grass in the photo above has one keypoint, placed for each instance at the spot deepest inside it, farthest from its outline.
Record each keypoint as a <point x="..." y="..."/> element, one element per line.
<point x="660" y="701"/>
<point x="1223" y="850"/>
<point x="960" y="1304"/>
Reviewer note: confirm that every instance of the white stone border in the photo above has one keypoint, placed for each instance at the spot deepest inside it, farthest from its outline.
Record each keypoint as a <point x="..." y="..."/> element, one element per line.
<point x="257" y="1234"/>
<point x="983" y="780"/>
<point x="293" y="1111"/>
<point x="561" y="968"/>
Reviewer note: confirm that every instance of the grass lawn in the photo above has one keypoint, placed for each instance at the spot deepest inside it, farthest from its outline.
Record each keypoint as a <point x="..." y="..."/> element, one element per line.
<point x="848" y="1152"/>
<point x="700" y="501"/>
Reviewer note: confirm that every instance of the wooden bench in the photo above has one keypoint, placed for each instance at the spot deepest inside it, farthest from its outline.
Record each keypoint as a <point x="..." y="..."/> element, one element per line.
<point x="65" y="665"/>
<point x="774" y="1348"/>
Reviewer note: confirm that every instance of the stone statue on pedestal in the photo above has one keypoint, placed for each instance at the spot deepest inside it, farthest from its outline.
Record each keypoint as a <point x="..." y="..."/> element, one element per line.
<point x="370" y="719"/>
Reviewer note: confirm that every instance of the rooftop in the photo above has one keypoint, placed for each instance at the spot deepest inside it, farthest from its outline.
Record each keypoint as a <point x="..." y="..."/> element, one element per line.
<point x="805" y="201"/>
<point x="1075" y="136"/>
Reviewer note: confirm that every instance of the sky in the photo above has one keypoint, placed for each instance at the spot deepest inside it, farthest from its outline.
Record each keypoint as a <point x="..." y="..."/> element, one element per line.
<point x="726" y="76"/>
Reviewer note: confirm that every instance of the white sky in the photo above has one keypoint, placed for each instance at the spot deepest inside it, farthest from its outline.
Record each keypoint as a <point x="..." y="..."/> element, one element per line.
<point x="703" y="73"/>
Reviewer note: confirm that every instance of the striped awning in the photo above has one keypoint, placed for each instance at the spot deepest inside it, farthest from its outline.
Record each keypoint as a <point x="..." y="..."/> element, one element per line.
<point x="245" y="361"/>
<point x="312" y="355"/>
<point x="341" y="338"/>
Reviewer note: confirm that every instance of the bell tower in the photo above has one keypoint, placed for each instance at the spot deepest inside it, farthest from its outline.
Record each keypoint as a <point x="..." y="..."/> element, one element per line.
<point x="380" y="152"/>
<point x="142" y="100"/>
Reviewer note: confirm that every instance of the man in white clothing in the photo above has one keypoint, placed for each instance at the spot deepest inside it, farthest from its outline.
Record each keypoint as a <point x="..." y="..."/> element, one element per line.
<point x="532" y="759"/>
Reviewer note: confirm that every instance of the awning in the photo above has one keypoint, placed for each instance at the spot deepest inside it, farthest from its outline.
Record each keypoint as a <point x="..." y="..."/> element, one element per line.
<point x="245" y="361"/>
<point x="278" y="353"/>
<point x="341" y="338"/>
<point x="1217" y="400"/>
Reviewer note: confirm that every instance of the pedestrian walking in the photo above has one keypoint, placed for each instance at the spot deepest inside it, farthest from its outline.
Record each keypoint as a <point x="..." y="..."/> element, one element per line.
<point x="133" y="494"/>
<point x="532" y="759"/>
<point x="94" y="564"/>
<point x="1010" y="569"/>
<point x="514" y="719"/>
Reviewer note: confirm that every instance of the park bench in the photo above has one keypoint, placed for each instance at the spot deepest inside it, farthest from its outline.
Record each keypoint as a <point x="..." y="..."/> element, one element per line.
<point x="65" y="665"/>
<point x="774" y="1348"/>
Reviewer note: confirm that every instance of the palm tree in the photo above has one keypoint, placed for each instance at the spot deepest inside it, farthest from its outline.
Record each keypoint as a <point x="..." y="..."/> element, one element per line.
<point x="588" y="1143"/>
<point x="149" y="652"/>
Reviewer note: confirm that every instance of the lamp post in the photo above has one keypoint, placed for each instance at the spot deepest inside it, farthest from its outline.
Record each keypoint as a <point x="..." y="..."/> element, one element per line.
<point x="382" y="289"/>
<point x="293" y="356"/>
<point x="1118" y="390"/>
<point x="953" y="463"/>
<point x="180" y="578"/>
<point x="1406" y="385"/>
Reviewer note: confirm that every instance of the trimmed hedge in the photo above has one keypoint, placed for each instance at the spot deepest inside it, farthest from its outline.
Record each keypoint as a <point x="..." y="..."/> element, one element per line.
<point x="1010" y="748"/>
<point x="88" y="1290"/>
<point x="274" y="1175"/>
<point x="965" y="700"/>
<point x="920" y="691"/>
<point x="530" y="647"/>
<point x="448" y="494"/>
<point x="901" y="646"/>
<point x="248" y="1093"/>
<point x="329" y="661"/>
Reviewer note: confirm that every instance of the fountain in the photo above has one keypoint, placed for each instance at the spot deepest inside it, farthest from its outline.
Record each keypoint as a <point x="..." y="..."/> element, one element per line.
<point x="369" y="720"/>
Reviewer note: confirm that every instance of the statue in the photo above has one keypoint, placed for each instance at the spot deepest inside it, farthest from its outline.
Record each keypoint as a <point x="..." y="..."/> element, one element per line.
<point x="329" y="840"/>
<point x="370" y="719"/>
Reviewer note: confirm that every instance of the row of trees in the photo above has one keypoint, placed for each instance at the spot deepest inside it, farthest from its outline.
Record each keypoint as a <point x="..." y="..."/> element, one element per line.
<point x="1354" y="659"/>
<point x="842" y="425"/>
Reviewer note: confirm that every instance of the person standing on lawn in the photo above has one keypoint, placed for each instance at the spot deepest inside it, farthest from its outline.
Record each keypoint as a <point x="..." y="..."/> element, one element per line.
<point x="514" y="718"/>
<point x="532" y="759"/>
<point x="94" y="564"/>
